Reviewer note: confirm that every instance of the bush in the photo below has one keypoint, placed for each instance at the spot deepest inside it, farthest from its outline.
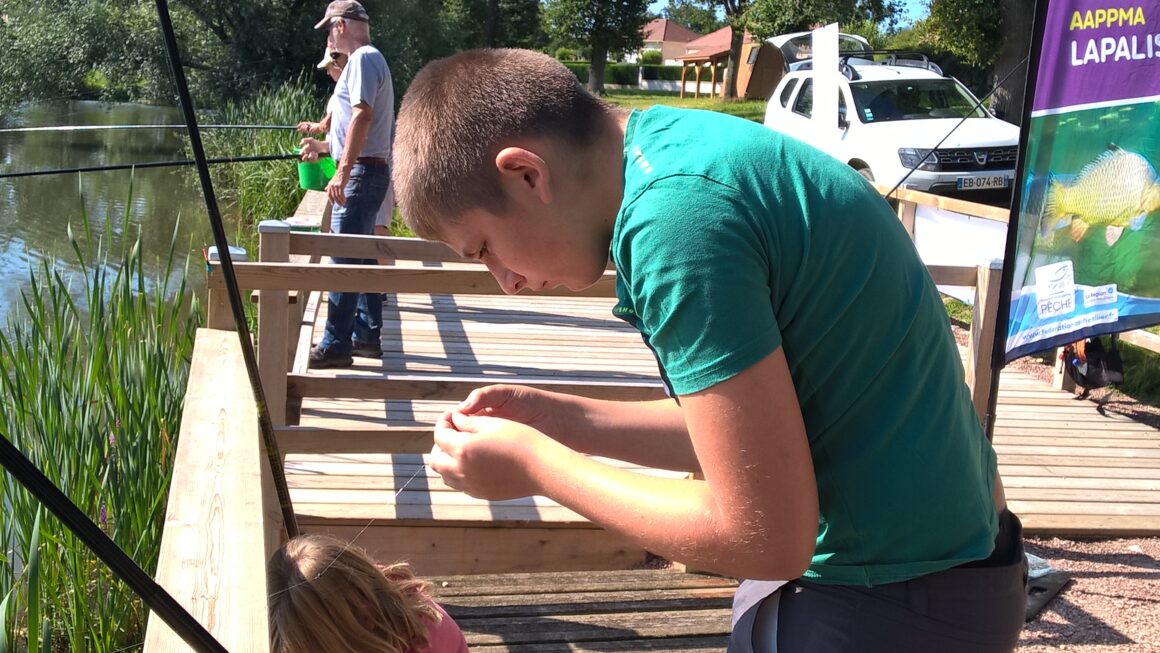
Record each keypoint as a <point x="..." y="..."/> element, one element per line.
<point x="579" y="69"/>
<point x="566" y="54"/>
<point x="652" y="57"/>
<point x="623" y="74"/>
<point x="669" y="73"/>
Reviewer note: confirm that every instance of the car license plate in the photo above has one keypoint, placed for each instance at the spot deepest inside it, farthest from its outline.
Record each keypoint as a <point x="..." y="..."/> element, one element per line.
<point x="988" y="181"/>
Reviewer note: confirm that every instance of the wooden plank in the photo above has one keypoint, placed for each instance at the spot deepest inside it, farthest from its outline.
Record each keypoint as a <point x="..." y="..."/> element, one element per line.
<point x="581" y="627"/>
<point x="543" y="583"/>
<point x="705" y="644"/>
<point x="986" y="211"/>
<point x="273" y="322"/>
<point x="453" y="388"/>
<point x="213" y="548"/>
<point x="1046" y="507"/>
<point x="400" y="439"/>
<point x="1105" y="525"/>
<point x="376" y="247"/>
<point x="439" y="549"/>
<point x="953" y="275"/>
<point x="1061" y="462"/>
<point x="465" y="279"/>
<point x="1143" y="339"/>
<point x="1014" y="479"/>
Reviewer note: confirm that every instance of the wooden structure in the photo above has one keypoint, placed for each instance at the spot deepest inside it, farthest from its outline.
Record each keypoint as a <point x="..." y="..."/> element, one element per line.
<point x="642" y="610"/>
<point x="353" y="442"/>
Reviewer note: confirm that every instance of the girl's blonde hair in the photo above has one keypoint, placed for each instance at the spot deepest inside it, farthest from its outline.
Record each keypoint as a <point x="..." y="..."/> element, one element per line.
<point x="327" y="596"/>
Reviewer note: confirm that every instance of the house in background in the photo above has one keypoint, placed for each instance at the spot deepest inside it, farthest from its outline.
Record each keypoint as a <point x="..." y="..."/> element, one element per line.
<point x="706" y="59"/>
<point x="669" y="37"/>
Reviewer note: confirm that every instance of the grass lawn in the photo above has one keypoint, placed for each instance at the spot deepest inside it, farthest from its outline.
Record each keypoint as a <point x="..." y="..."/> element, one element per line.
<point x="636" y="99"/>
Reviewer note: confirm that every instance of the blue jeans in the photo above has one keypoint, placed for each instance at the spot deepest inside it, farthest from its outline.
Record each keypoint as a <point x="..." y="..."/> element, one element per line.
<point x="352" y="314"/>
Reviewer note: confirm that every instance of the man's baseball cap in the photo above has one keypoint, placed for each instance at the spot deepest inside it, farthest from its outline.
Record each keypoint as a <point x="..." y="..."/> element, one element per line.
<point x="348" y="9"/>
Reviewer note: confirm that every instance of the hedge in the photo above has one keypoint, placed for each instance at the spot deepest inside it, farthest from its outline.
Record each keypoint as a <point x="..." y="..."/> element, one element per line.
<point x="670" y="73"/>
<point x="614" y="73"/>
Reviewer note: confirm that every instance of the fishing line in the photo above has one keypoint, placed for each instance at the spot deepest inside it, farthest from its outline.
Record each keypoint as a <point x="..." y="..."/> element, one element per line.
<point x="273" y="455"/>
<point x="975" y="108"/>
<point x="148" y="164"/>
<point x="85" y="128"/>
<point x="159" y="601"/>
<point x="350" y="542"/>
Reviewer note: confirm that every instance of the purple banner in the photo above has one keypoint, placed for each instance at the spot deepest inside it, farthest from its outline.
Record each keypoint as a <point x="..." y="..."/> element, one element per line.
<point x="1098" y="51"/>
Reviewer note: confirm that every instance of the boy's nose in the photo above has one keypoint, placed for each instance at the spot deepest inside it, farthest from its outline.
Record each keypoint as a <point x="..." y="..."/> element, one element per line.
<point x="509" y="281"/>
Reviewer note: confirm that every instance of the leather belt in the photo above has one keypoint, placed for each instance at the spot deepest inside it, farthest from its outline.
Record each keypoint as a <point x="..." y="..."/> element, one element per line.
<point x="372" y="161"/>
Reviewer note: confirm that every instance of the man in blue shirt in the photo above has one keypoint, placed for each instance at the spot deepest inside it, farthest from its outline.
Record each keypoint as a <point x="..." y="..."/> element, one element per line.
<point x="361" y="125"/>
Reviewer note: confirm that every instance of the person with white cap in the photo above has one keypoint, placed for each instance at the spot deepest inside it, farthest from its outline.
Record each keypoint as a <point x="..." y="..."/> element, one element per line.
<point x="360" y="142"/>
<point x="333" y="63"/>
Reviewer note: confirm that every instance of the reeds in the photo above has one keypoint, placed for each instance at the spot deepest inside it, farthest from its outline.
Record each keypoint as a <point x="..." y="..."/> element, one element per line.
<point x="92" y="377"/>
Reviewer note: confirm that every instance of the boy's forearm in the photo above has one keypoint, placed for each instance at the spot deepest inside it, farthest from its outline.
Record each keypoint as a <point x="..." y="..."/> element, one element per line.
<point x="650" y="433"/>
<point x="675" y="518"/>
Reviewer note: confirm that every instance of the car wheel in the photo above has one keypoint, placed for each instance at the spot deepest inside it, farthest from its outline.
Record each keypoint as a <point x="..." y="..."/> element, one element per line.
<point x="865" y="172"/>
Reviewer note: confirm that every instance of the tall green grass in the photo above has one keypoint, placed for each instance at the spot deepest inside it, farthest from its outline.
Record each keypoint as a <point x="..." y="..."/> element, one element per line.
<point x="265" y="190"/>
<point x="92" y="377"/>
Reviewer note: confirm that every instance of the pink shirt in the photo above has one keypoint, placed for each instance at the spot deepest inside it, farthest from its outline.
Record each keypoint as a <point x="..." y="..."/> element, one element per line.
<point x="445" y="636"/>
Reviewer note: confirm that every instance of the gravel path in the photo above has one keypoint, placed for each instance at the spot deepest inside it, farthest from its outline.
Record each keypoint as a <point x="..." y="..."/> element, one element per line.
<point x="1112" y="603"/>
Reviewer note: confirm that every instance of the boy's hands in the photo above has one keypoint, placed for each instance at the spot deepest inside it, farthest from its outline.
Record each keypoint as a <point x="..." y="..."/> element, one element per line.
<point x="487" y="457"/>
<point x="530" y="406"/>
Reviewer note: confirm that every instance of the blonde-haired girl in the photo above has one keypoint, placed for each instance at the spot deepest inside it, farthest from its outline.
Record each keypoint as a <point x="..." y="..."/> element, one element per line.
<point x="327" y="596"/>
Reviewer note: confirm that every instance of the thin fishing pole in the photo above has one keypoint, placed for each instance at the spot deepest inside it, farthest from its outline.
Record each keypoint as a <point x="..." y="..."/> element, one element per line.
<point x="153" y="595"/>
<point x="273" y="455"/>
<point x="90" y="128"/>
<point x="975" y="108"/>
<point x="147" y="164"/>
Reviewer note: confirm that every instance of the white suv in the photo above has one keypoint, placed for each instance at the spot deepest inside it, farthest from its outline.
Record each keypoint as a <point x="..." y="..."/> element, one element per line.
<point x="902" y="109"/>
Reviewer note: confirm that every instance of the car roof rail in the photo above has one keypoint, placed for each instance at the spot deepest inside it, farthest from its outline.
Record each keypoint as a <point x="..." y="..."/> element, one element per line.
<point x="848" y="71"/>
<point x="894" y="58"/>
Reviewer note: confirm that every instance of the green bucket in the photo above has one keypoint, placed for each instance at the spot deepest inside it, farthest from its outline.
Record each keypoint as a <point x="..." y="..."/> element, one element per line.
<point x="314" y="175"/>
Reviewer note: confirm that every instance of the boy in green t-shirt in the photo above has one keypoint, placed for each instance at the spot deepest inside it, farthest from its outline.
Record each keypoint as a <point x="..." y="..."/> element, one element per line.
<point x="817" y="388"/>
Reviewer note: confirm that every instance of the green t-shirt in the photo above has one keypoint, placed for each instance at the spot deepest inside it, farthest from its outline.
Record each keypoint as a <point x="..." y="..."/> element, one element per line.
<point x="732" y="240"/>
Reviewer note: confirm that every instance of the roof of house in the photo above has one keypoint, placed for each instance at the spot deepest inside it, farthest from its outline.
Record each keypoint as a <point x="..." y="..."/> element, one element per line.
<point x="711" y="44"/>
<point x="662" y="29"/>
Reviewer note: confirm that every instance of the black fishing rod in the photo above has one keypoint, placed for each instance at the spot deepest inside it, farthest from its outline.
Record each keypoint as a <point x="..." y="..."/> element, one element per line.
<point x="88" y="128"/>
<point x="978" y="105"/>
<point x="147" y="164"/>
<point x="153" y="595"/>
<point x="273" y="455"/>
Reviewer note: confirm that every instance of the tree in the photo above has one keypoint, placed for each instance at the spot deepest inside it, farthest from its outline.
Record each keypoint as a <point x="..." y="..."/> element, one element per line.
<point x="493" y="23"/>
<point x="993" y="34"/>
<point x="697" y="15"/>
<point x="606" y="27"/>
<point x="770" y="17"/>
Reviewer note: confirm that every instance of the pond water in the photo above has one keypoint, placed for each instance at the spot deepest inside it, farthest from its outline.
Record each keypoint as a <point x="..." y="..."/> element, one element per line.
<point x="35" y="212"/>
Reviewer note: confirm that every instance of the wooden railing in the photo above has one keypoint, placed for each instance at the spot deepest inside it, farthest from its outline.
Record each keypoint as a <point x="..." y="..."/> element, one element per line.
<point x="425" y="267"/>
<point x="222" y="519"/>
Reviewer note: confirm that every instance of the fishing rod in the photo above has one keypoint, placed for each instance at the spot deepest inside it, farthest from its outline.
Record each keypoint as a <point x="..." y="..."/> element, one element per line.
<point x="86" y="128"/>
<point x="978" y="105"/>
<point x="153" y="595"/>
<point x="273" y="455"/>
<point x="148" y="164"/>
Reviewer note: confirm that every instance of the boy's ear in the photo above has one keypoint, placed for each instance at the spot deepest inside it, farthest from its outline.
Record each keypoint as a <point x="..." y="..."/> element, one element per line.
<point x="523" y="172"/>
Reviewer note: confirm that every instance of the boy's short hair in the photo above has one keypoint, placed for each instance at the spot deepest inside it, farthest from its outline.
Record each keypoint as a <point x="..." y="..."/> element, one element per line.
<point x="459" y="112"/>
<point x="327" y="596"/>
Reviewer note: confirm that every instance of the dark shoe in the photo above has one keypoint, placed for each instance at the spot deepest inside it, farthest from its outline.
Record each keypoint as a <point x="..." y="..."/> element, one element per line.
<point x="321" y="358"/>
<point x="367" y="349"/>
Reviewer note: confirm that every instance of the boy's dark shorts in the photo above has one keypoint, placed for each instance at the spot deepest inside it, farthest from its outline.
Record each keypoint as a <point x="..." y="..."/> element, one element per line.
<point x="976" y="607"/>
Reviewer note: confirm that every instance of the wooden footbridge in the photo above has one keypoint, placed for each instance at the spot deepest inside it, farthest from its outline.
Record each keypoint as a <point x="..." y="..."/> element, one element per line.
<point x="527" y="574"/>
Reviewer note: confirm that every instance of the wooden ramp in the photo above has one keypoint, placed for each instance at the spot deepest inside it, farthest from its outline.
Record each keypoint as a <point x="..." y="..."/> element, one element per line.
<point x="1071" y="470"/>
<point x="393" y="503"/>
<point x="1068" y="469"/>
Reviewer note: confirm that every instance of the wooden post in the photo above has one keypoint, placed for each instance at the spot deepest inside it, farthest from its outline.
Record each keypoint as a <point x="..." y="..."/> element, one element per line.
<point x="979" y="373"/>
<point x="697" y="83"/>
<point x="906" y="210"/>
<point x="1059" y="379"/>
<point x="273" y="319"/>
<point x="713" y="83"/>
<point x="684" y="69"/>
